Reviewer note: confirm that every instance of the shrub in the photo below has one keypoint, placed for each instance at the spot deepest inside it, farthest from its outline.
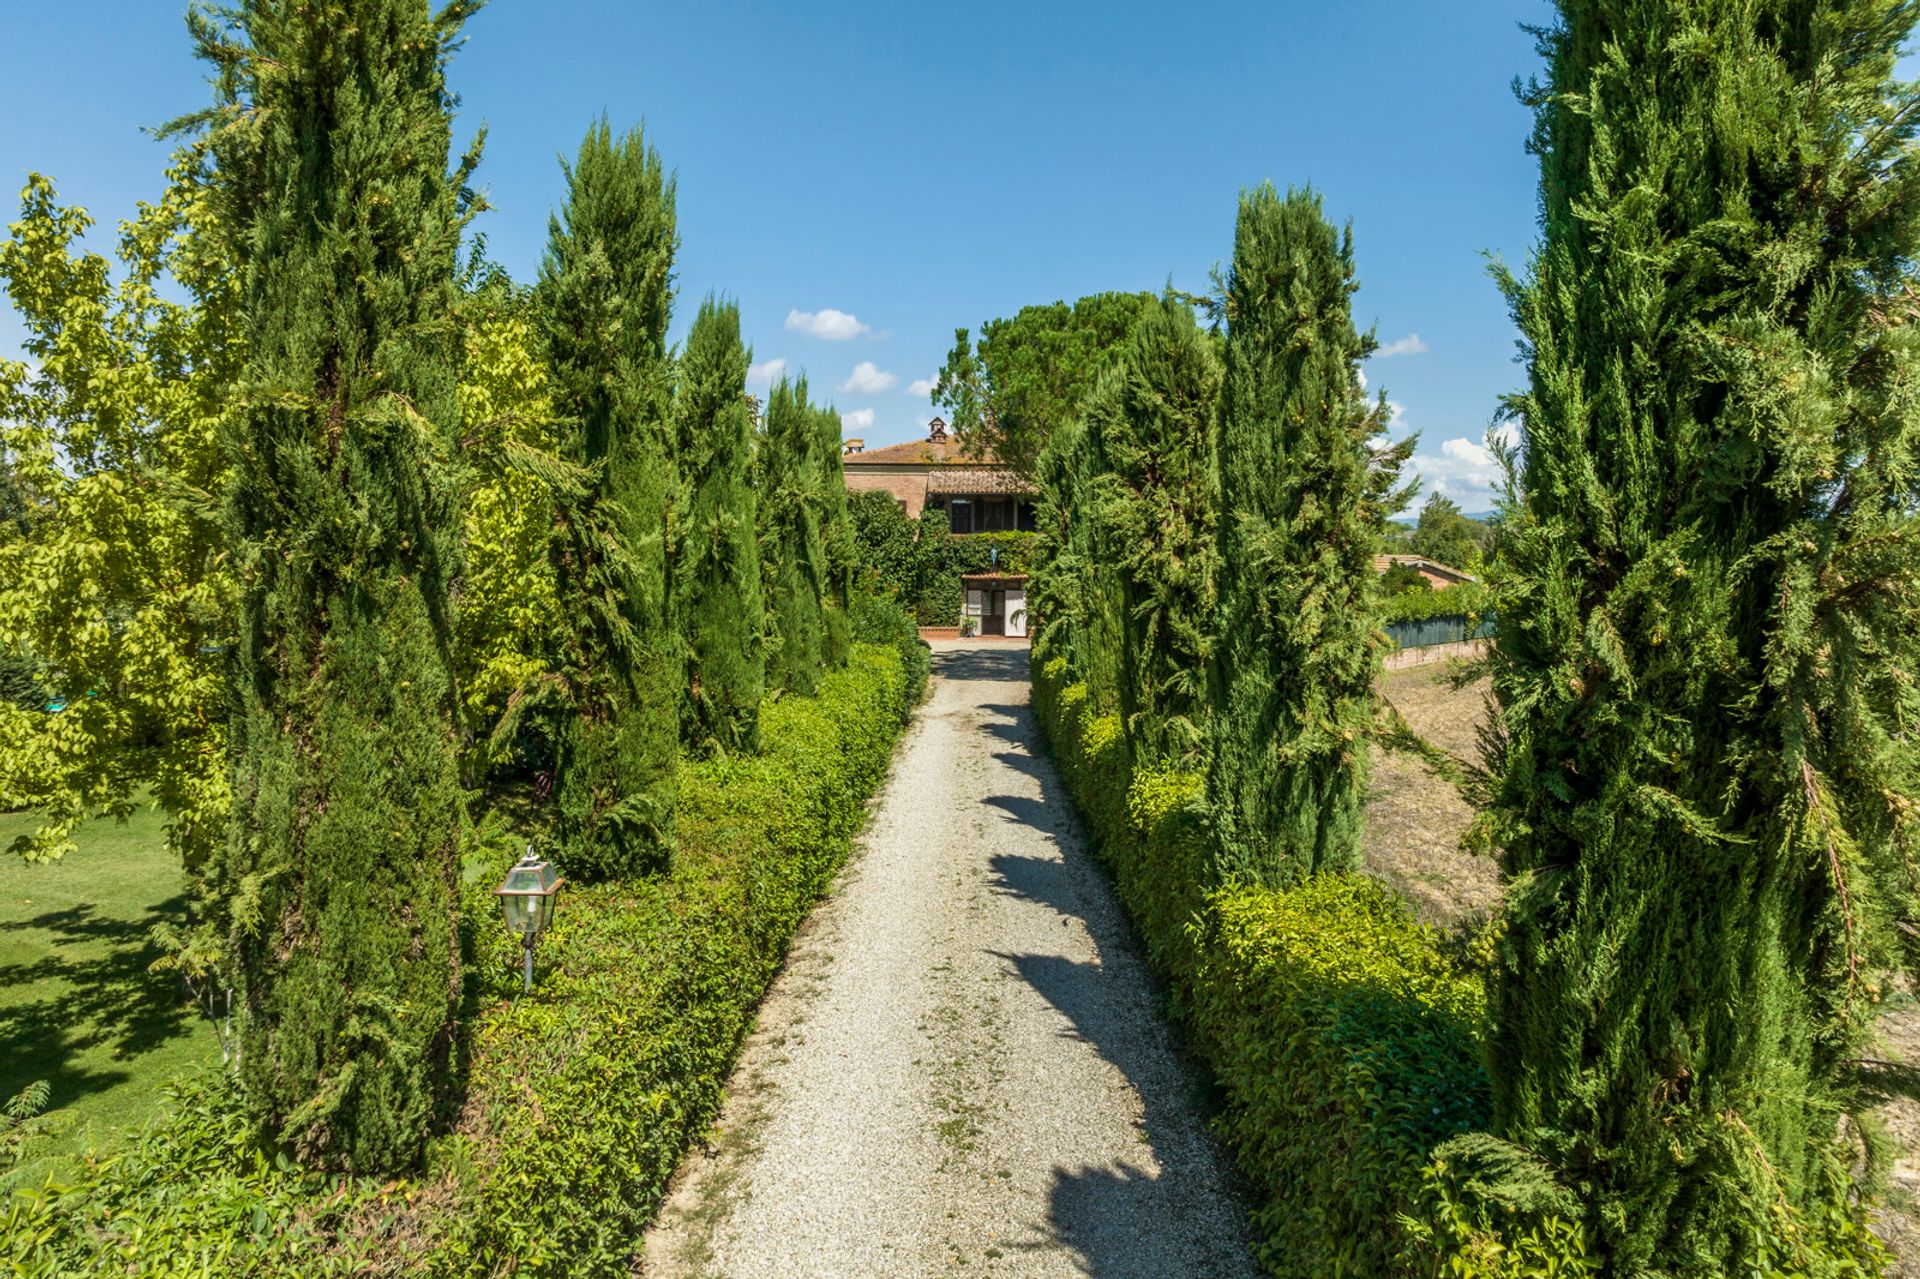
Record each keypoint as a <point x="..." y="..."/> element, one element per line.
<point x="1468" y="600"/>
<point x="583" y="1095"/>
<point x="1348" y="1046"/>
<point x="883" y="620"/>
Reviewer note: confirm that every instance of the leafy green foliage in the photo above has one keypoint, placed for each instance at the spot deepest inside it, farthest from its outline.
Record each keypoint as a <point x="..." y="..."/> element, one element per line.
<point x="605" y="294"/>
<point x="1304" y="499"/>
<point x="1150" y="427"/>
<point x="342" y="521"/>
<point x="1402" y="578"/>
<point x="717" y="561"/>
<point x="116" y="598"/>
<point x="509" y="622"/>
<point x="1468" y="600"/>
<point x="1707" y="602"/>
<point x="1444" y="534"/>
<point x="195" y="1197"/>
<point x="919" y="562"/>
<point x="1032" y="373"/>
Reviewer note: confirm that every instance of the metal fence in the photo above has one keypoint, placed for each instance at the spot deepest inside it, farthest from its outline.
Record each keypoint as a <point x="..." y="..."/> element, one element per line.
<point x="1428" y="631"/>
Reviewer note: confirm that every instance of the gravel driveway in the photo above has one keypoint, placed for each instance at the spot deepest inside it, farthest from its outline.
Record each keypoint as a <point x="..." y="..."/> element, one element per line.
<point x="962" y="1070"/>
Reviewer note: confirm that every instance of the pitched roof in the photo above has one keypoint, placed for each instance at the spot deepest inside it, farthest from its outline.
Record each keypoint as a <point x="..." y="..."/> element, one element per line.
<point x="943" y="452"/>
<point x="972" y="481"/>
<point x="1381" y="563"/>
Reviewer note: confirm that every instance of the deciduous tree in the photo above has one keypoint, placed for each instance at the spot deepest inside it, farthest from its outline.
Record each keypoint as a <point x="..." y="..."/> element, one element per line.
<point x="1031" y="373"/>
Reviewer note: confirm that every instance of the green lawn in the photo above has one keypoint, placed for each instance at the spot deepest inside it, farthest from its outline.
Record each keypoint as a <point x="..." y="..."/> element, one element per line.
<point x="78" y="1007"/>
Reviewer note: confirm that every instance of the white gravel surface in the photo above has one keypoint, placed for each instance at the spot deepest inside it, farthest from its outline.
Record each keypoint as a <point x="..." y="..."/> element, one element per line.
<point x="962" y="1070"/>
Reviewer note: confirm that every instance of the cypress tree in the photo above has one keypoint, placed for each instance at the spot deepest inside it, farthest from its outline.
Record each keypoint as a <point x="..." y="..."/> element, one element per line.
<point x="605" y="293"/>
<point x="1150" y="425"/>
<point x="1304" y="499"/>
<point x="718" y="568"/>
<point x="791" y="543"/>
<point x="1076" y="590"/>
<point x="341" y="872"/>
<point x="1705" y="614"/>
<point x="837" y="547"/>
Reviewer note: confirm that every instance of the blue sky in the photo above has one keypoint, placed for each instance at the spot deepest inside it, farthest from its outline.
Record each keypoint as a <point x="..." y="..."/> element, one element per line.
<point x="922" y="167"/>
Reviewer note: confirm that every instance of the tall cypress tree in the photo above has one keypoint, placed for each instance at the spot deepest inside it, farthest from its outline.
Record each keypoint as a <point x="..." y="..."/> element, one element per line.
<point x="1705" y="651"/>
<point x="330" y="140"/>
<point x="791" y="543"/>
<point x="1150" y="426"/>
<point x="1304" y="498"/>
<point x="605" y="292"/>
<point x="718" y="569"/>
<point x="837" y="549"/>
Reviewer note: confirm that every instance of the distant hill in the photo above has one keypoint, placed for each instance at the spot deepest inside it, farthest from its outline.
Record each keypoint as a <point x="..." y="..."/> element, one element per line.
<point x="1411" y="519"/>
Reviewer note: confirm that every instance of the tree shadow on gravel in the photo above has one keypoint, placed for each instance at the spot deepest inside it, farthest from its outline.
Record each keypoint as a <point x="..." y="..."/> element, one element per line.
<point x="1120" y="1219"/>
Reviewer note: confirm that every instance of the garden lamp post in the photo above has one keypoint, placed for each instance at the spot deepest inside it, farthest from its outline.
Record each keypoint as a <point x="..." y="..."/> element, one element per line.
<point x="527" y="899"/>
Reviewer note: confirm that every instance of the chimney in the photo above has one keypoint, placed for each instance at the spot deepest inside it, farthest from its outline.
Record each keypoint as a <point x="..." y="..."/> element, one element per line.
<point x="936" y="431"/>
<point x="852" y="445"/>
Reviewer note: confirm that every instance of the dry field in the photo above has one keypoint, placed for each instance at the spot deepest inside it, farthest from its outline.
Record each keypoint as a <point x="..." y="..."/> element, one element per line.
<point x="1415" y="818"/>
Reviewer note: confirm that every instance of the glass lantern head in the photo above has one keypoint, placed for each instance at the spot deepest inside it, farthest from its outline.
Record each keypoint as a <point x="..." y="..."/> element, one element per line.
<point x="527" y="896"/>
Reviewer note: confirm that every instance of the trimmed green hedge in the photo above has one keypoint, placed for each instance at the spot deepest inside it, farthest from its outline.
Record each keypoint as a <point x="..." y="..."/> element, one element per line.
<point x="1470" y="600"/>
<point x="582" y="1096"/>
<point x="1345" y="1036"/>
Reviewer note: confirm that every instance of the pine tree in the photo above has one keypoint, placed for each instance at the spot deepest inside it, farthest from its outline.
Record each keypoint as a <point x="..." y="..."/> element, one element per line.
<point x="1706" y="612"/>
<point x="1150" y="425"/>
<point x="837" y="549"/>
<point x="605" y="293"/>
<point x="343" y="863"/>
<point x="1304" y="498"/>
<point x="718" y="570"/>
<point x="792" y="548"/>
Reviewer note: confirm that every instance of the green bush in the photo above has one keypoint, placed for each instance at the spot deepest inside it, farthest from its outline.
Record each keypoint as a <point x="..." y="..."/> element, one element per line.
<point x="882" y="620"/>
<point x="1345" y="1036"/>
<point x="1469" y="600"/>
<point x="582" y="1096"/>
<point x="196" y="1197"/>
<point x="1348" y="1046"/>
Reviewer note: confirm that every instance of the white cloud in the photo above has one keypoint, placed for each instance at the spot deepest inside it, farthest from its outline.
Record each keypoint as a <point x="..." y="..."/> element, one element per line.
<point x="920" y="386"/>
<point x="829" y="324"/>
<point x="768" y="372"/>
<point x="1408" y="345"/>
<point x="857" y="420"/>
<point x="1507" y="433"/>
<point x="1396" y="414"/>
<point x="869" y="379"/>
<point x="1464" y="471"/>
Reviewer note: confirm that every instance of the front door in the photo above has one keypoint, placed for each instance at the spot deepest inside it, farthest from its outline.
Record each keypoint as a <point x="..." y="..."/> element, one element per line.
<point x="995" y="621"/>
